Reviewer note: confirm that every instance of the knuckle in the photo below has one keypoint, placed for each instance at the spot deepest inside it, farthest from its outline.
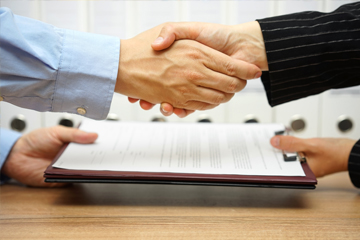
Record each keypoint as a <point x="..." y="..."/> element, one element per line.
<point x="183" y="91"/>
<point x="230" y="68"/>
<point x="219" y="98"/>
<point x="194" y="76"/>
<point x="251" y="72"/>
<point x="168" y="27"/>
<point x="234" y="86"/>
<point x="194" y="54"/>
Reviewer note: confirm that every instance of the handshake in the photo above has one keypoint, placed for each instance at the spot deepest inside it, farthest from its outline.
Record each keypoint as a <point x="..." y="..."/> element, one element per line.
<point x="209" y="64"/>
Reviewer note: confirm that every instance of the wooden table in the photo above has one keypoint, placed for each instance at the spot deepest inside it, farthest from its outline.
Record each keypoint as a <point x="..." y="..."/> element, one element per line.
<point x="115" y="211"/>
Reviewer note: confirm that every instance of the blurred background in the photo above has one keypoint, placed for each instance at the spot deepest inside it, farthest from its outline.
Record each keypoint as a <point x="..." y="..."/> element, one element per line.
<point x="335" y="113"/>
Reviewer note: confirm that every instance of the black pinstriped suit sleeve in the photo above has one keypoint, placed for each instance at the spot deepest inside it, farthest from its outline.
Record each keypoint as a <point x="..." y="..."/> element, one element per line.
<point x="311" y="52"/>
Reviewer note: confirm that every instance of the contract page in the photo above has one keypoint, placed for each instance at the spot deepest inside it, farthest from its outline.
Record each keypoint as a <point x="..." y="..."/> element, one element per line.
<point x="202" y="148"/>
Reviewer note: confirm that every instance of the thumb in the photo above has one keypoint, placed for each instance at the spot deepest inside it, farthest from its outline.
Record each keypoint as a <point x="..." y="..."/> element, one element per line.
<point x="162" y="43"/>
<point x="289" y="143"/>
<point x="175" y="31"/>
<point x="66" y="134"/>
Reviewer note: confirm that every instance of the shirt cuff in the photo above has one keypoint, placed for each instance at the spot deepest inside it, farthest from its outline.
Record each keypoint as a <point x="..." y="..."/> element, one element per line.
<point x="87" y="74"/>
<point x="354" y="165"/>
<point x="7" y="141"/>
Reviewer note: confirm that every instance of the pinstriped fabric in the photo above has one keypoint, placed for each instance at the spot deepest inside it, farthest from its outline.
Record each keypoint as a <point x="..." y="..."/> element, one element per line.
<point x="311" y="52"/>
<point x="313" y="55"/>
<point x="312" y="26"/>
<point x="354" y="165"/>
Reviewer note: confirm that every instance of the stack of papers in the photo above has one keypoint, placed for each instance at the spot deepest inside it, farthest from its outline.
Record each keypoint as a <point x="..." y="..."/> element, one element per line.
<point x="179" y="152"/>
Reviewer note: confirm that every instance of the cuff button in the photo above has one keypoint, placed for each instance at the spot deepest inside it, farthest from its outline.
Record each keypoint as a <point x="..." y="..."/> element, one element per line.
<point x="81" y="111"/>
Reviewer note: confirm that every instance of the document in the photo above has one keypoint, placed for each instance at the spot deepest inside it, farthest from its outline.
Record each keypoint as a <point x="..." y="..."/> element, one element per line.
<point x="200" y="148"/>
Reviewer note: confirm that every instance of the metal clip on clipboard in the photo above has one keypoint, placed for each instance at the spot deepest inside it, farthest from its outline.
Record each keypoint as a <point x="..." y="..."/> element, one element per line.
<point x="289" y="157"/>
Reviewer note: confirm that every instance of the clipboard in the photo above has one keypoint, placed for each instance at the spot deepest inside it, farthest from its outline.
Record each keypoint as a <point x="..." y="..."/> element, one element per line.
<point x="61" y="175"/>
<point x="138" y="176"/>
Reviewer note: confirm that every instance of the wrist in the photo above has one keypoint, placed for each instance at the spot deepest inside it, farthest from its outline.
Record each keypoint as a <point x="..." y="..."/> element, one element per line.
<point x="252" y="41"/>
<point x="123" y="75"/>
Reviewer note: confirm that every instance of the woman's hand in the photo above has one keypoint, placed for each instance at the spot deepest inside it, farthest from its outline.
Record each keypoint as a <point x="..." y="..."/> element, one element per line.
<point x="324" y="155"/>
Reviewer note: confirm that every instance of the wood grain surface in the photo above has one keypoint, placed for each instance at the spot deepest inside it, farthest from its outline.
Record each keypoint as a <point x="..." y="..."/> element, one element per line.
<point x="123" y="211"/>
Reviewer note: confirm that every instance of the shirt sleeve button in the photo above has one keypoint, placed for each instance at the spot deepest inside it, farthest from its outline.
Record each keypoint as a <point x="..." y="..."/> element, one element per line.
<point x="81" y="111"/>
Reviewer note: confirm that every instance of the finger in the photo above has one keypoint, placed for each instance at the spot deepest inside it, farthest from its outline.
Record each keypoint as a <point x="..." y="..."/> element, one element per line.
<point x="66" y="135"/>
<point x="196" y="105"/>
<point x="222" y="63"/>
<point x="181" y="113"/>
<point x="33" y="175"/>
<point x="166" y="109"/>
<point x="146" y="105"/>
<point x="133" y="100"/>
<point x="221" y="82"/>
<point x="209" y="96"/>
<point x="175" y="31"/>
<point x="289" y="143"/>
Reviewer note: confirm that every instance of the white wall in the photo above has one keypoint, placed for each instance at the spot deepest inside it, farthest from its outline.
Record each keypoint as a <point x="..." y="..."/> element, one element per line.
<point x="124" y="19"/>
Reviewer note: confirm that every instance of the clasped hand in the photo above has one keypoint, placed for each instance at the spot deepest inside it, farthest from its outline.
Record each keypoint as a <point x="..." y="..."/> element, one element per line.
<point x="243" y="43"/>
<point x="188" y="74"/>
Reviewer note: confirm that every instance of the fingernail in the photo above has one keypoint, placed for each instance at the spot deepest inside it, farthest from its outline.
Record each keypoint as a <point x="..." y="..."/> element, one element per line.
<point x="258" y="75"/>
<point x="276" y="141"/>
<point x="162" y="109"/>
<point x="158" y="40"/>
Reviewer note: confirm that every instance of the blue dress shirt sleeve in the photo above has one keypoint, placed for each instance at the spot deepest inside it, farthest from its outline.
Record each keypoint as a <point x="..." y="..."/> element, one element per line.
<point x="7" y="141"/>
<point x="46" y="68"/>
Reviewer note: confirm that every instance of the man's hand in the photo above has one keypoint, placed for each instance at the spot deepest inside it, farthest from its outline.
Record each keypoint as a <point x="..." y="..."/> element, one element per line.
<point x="324" y="155"/>
<point x="187" y="75"/>
<point x="33" y="153"/>
<point x="242" y="42"/>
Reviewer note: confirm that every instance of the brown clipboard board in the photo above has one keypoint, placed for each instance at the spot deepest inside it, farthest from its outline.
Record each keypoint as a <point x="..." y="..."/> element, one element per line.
<point x="53" y="174"/>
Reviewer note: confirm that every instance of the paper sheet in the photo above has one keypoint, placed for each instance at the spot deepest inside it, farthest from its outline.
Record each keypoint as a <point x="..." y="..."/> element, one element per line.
<point x="180" y="148"/>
